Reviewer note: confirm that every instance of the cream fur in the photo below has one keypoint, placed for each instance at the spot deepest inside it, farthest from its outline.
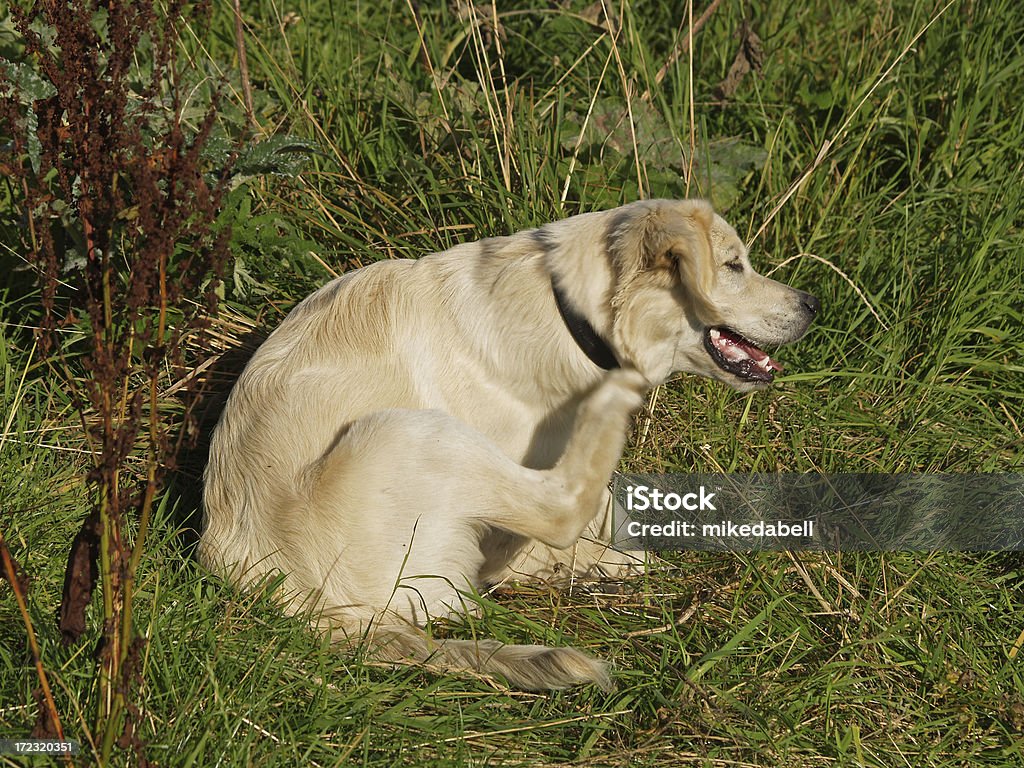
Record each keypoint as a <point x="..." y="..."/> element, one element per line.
<point x="417" y="429"/>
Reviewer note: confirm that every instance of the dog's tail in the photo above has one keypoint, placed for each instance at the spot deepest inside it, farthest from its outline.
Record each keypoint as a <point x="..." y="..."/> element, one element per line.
<point x="528" y="667"/>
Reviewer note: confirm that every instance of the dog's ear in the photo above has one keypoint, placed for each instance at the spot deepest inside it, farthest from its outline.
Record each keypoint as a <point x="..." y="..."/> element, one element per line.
<point x="669" y="236"/>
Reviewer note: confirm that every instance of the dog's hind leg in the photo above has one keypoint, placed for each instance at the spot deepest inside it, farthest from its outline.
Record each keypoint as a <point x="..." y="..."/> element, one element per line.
<point x="555" y="506"/>
<point x="406" y="497"/>
<point x="398" y="508"/>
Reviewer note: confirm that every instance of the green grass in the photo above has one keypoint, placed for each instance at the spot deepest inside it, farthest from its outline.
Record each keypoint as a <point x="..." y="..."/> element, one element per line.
<point x="909" y="230"/>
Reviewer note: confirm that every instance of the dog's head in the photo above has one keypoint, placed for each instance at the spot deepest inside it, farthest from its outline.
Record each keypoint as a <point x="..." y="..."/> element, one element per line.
<point x="685" y="297"/>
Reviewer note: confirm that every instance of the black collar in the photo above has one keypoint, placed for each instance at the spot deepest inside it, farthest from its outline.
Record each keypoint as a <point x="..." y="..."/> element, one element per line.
<point x="583" y="332"/>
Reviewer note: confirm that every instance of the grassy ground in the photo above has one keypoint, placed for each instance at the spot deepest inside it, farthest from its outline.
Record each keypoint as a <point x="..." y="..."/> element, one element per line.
<point x="874" y="155"/>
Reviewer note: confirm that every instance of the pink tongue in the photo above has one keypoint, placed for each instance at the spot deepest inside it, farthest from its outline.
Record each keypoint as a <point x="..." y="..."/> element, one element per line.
<point x="753" y="352"/>
<point x="761" y="357"/>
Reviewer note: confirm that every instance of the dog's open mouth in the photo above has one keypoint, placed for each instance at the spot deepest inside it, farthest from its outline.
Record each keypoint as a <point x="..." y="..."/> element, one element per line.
<point x="738" y="356"/>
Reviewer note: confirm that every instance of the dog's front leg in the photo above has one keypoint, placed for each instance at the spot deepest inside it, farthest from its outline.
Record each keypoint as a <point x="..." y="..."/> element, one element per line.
<point x="591" y="557"/>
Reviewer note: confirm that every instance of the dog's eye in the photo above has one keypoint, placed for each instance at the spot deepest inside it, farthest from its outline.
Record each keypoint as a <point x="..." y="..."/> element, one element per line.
<point x="735" y="266"/>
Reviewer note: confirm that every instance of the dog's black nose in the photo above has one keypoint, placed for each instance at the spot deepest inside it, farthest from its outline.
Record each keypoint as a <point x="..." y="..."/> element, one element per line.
<point x="811" y="304"/>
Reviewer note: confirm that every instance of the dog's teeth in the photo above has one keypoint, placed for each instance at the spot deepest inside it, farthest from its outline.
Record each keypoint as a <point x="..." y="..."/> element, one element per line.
<point x="739" y="351"/>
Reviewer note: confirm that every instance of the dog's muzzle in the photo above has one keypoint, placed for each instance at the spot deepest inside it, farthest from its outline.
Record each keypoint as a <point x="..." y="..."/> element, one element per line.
<point x="741" y="357"/>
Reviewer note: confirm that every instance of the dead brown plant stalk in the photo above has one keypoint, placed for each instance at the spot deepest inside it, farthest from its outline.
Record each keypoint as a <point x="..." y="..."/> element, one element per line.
<point x="49" y="720"/>
<point x="111" y="149"/>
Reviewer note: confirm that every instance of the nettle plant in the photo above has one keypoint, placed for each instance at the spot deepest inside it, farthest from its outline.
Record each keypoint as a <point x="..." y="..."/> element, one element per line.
<point x="125" y="201"/>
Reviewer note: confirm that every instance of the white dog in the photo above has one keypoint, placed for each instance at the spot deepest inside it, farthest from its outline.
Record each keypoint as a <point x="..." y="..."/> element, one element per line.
<point x="417" y="430"/>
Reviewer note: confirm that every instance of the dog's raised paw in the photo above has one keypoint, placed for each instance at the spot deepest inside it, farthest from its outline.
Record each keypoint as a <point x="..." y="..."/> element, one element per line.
<point x="626" y="386"/>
